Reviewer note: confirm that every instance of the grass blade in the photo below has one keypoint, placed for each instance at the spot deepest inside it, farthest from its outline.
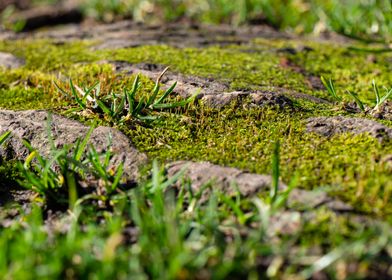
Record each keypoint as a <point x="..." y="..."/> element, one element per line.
<point x="157" y="87"/>
<point x="61" y="90"/>
<point x="357" y="100"/>
<point x="275" y="172"/>
<point x="386" y="96"/>
<point x="166" y="94"/>
<point x="72" y="189"/>
<point x="4" y="137"/>
<point x="140" y="106"/>
<point x="330" y="86"/>
<point x="75" y="95"/>
<point x="117" y="177"/>
<point x="181" y="103"/>
<point x="104" y="108"/>
<point x="376" y="92"/>
<point x="80" y="148"/>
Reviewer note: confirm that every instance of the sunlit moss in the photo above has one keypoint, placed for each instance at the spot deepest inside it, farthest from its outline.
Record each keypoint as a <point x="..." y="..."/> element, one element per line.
<point x="351" y="166"/>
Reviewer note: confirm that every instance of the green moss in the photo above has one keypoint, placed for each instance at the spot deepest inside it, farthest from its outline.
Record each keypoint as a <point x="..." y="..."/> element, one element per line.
<point x="351" y="166"/>
<point x="22" y="99"/>
<point x="240" y="69"/>
<point x="350" y="69"/>
<point x="47" y="56"/>
<point x="253" y="67"/>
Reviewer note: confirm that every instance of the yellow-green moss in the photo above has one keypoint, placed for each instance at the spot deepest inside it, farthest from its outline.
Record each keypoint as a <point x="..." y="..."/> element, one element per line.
<point x="350" y="166"/>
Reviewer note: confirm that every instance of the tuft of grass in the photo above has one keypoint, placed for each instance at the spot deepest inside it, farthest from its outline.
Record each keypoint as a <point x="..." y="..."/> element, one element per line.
<point x="330" y="86"/>
<point x="58" y="177"/>
<point x="121" y="108"/>
<point x="379" y="98"/>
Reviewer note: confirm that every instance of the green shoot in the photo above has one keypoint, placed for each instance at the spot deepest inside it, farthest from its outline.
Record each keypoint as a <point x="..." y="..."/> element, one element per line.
<point x="380" y="99"/>
<point x="357" y="100"/>
<point x="330" y="86"/>
<point x="4" y="137"/>
<point x="275" y="172"/>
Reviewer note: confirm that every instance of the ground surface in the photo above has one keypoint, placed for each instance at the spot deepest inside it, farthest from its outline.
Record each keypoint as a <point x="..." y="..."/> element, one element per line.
<point x="256" y="87"/>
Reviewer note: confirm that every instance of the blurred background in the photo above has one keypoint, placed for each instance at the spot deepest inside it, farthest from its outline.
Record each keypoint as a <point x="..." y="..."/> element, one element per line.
<point x="366" y="20"/>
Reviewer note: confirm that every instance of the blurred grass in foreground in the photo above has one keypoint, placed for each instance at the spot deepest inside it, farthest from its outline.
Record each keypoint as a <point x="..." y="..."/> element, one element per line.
<point x="366" y="20"/>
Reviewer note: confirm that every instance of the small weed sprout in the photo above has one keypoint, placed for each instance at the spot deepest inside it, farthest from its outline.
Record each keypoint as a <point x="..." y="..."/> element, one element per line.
<point x="380" y="99"/>
<point x="278" y="198"/>
<point x="119" y="108"/>
<point x="330" y="86"/>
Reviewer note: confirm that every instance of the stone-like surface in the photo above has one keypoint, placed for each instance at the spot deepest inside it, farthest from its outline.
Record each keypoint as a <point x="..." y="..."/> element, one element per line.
<point x="32" y="126"/>
<point x="227" y="179"/>
<point x="126" y="34"/>
<point x="186" y="85"/>
<point x="307" y="200"/>
<point x="256" y="99"/>
<point x="211" y="93"/>
<point x="129" y="34"/>
<point x="230" y="180"/>
<point x="328" y="126"/>
<point x="10" y="61"/>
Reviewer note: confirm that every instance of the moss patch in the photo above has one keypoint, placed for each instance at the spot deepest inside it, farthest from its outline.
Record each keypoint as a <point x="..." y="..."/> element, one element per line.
<point x="350" y="166"/>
